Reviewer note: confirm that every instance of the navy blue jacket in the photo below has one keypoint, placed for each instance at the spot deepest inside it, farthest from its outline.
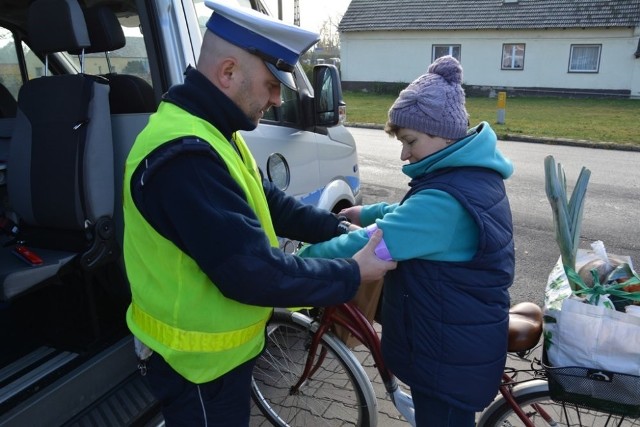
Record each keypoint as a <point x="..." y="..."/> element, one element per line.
<point x="460" y="340"/>
<point x="192" y="200"/>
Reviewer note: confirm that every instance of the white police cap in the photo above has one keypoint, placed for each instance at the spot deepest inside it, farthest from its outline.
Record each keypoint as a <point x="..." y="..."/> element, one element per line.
<point x="278" y="44"/>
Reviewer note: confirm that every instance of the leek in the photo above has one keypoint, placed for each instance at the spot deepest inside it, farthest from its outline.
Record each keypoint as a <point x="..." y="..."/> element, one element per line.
<point x="567" y="214"/>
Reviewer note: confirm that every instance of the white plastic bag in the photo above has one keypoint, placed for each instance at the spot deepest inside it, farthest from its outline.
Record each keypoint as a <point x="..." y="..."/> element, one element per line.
<point x="586" y="335"/>
<point x="595" y="337"/>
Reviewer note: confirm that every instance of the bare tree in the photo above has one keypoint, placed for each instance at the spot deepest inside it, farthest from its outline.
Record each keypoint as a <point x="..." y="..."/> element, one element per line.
<point x="329" y="35"/>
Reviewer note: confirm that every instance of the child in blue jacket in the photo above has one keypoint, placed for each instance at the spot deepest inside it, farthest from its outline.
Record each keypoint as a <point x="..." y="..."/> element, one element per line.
<point x="445" y="307"/>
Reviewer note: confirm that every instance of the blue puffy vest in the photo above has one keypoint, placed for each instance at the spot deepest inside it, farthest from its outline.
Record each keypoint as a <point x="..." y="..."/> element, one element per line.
<point x="445" y="324"/>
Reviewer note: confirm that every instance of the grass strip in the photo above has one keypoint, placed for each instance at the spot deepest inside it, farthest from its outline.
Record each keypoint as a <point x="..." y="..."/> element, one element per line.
<point x="597" y="120"/>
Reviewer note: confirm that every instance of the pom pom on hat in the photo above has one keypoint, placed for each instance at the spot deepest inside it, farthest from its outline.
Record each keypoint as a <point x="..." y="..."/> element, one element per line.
<point x="447" y="67"/>
<point x="434" y="103"/>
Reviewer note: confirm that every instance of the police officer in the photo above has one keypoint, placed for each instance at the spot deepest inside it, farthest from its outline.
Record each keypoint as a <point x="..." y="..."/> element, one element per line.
<point x="200" y="244"/>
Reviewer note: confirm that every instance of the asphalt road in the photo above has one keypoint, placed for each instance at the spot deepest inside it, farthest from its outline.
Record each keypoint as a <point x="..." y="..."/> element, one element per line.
<point x="611" y="211"/>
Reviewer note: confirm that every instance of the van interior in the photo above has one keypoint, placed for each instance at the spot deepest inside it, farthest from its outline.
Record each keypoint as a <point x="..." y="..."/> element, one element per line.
<point x="75" y="78"/>
<point x="78" y="82"/>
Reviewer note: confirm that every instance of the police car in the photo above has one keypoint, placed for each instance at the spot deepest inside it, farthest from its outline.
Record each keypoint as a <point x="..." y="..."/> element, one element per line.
<point x="78" y="81"/>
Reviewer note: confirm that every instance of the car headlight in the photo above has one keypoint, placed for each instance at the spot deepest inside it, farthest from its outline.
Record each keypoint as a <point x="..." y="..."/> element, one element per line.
<point x="278" y="171"/>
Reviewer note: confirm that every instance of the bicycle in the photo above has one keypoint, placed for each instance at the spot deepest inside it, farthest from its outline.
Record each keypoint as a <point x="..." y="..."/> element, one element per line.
<point x="307" y="376"/>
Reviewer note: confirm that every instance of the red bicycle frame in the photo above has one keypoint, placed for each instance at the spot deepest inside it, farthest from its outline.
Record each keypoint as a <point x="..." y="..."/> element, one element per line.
<point x="351" y="318"/>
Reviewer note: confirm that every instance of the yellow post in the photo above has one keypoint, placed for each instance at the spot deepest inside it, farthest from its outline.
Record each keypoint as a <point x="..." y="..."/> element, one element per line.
<point x="502" y="103"/>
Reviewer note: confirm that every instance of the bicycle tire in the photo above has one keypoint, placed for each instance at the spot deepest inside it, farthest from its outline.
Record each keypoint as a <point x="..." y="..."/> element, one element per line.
<point x="500" y="413"/>
<point x="338" y="394"/>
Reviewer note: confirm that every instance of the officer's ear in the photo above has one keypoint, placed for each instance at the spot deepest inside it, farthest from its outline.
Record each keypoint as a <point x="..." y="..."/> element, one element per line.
<point x="227" y="72"/>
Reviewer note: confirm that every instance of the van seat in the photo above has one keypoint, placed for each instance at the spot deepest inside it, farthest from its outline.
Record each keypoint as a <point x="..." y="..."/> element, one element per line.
<point x="129" y="93"/>
<point x="8" y="104"/>
<point x="60" y="164"/>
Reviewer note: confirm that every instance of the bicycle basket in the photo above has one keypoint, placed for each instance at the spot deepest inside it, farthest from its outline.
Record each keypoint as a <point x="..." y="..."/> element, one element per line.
<point x="597" y="389"/>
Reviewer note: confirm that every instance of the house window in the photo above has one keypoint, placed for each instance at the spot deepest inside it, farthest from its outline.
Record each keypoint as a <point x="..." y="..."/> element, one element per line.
<point x="444" y="50"/>
<point x="513" y="56"/>
<point x="584" y="58"/>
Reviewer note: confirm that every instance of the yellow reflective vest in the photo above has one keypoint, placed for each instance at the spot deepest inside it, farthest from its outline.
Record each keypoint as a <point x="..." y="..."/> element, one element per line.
<point x="176" y="309"/>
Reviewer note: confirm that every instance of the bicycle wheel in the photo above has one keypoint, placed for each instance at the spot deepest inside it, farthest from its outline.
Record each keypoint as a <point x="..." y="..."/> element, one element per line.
<point x="339" y="393"/>
<point x="537" y="405"/>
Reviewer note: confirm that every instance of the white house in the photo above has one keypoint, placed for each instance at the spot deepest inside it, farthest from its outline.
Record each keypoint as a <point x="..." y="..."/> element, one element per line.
<point x="555" y="47"/>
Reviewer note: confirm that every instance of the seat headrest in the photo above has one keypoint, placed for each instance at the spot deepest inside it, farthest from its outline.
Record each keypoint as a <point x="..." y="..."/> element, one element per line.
<point x="56" y="26"/>
<point x="105" y="32"/>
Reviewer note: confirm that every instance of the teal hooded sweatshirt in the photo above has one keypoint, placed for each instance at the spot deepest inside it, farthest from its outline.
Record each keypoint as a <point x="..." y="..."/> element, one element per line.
<point x="431" y="224"/>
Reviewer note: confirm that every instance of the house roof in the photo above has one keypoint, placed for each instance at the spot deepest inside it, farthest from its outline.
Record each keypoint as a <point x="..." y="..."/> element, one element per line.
<point x="404" y="15"/>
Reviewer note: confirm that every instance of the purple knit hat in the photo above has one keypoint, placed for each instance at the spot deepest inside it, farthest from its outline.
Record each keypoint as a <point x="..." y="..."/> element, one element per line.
<point x="434" y="102"/>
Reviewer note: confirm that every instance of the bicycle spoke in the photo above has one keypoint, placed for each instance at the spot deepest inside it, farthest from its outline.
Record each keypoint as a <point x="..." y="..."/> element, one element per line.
<point x="330" y="396"/>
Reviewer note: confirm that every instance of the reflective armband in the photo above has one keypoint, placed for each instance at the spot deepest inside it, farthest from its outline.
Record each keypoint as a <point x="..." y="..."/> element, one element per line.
<point x="381" y="250"/>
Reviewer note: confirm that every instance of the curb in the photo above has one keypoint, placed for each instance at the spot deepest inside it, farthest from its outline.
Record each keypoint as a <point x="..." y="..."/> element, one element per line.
<point x="536" y="139"/>
<point x="570" y="142"/>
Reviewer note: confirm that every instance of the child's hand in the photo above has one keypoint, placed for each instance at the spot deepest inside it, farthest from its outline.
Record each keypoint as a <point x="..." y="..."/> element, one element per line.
<point x="353" y="213"/>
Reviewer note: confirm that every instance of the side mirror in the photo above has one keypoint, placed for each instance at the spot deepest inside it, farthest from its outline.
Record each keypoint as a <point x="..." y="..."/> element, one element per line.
<point x="329" y="107"/>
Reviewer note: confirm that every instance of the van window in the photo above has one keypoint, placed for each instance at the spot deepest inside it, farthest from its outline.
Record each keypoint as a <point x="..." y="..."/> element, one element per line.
<point x="132" y="59"/>
<point x="10" y="75"/>
<point x="288" y="111"/>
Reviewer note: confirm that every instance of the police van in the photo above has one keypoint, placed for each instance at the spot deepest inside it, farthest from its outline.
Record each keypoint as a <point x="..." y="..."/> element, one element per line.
<point x="78" y="81"/>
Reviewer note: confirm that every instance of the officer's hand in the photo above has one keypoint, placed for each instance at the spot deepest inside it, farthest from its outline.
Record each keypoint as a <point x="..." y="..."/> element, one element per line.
<point x="372" y="267"/>
<point x="353" y="213"/>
